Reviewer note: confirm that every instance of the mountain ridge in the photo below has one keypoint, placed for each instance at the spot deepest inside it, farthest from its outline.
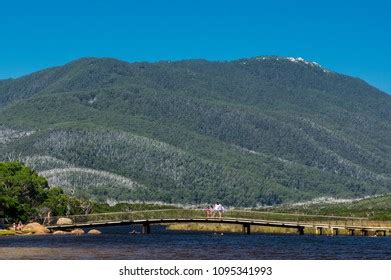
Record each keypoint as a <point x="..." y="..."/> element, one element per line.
<point x="327" y="129"/>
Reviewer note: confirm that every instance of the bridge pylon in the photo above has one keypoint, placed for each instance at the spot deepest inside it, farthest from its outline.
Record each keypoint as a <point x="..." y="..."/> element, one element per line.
<point x="246" y="228"/>
<point x="300" y="230"/>
<point x="146" y="228"/>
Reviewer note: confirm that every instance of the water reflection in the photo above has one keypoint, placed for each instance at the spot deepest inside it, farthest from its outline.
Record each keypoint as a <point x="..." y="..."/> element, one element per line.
<point x="117" y="243"/>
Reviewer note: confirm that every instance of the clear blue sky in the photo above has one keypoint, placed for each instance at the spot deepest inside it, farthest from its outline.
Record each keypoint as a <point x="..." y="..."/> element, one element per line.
<point x="351" y="37"/>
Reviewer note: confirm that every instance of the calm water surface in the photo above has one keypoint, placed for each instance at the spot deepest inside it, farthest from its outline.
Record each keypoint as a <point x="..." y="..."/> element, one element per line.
<point x="117" y="243"/>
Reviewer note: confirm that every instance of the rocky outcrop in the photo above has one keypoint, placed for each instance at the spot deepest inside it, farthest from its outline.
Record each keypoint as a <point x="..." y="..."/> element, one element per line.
<point x="35" y="228"/>
<point x="64" y="221"/>
<point x="77" y="231"/>
<point x="94" y="232"/>
<point x="60" y="232"/>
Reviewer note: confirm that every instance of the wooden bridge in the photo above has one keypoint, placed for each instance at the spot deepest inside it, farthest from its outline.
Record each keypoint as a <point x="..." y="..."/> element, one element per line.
<point x="318" y="224"/>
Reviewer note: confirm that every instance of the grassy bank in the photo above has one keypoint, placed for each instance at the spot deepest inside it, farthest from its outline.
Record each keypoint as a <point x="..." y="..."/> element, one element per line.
<point x="227" y="228"/>
<point x="6" y="232"/>
<point x="219" y="228"/>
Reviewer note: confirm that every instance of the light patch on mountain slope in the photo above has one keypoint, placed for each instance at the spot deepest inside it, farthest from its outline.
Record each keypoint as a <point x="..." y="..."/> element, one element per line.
<point x="121" y="147"/>
<point x="82" y="181"/>
<point x="294" y="60"/>
<point x="7" y="134"/>
<point x="63" y="176"/>
<point x="84" y="178"/>
<point x="333" y="200"/>
<point x="41" y="163"/>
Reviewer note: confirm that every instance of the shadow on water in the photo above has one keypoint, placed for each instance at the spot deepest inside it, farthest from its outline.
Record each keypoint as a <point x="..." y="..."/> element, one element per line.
<point x="118" y="243"/>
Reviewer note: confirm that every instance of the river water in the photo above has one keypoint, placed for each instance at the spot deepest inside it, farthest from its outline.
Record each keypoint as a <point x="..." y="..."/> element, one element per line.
<point x="117" y="243"/>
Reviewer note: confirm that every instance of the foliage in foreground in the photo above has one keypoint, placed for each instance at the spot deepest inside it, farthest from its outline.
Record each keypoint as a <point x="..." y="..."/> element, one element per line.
<point x="25" y="196"/>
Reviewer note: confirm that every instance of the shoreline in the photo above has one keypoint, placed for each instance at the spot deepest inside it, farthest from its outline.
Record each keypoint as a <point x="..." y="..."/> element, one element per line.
<point x="38" y="229"/>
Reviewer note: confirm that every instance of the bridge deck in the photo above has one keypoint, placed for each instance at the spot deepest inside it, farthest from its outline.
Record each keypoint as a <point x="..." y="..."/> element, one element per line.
<point x="270" y="223"/>
<point x="241" y="217"/>
<point x="184" y="220"/>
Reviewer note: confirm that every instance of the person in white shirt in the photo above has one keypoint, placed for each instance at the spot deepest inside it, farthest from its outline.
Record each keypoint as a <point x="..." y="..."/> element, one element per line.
<point x="218" y="208"/>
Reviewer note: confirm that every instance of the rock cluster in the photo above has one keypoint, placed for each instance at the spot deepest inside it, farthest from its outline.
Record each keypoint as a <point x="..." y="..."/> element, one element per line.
<point x="64" y="221"/>
<point x="94" y="232"/>
<point x="77" y="231"/>
<point x="35" y="228"/>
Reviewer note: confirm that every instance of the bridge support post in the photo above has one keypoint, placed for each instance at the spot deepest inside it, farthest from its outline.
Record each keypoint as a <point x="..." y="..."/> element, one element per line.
<point x="364" y="232"/>
<point x="351" y="231"/>
<point x="319" y="230"/>
<point x="334" y="231"/>
<point x="246" y="228"/>
<point x="300" y="230"/>
<point x="381" y="233"/>
<point x="146" y="228"/>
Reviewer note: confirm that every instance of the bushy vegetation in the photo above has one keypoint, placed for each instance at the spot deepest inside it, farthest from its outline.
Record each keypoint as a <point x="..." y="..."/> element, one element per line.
<point x="25" y="196"/>
<point x="259" y="131"/>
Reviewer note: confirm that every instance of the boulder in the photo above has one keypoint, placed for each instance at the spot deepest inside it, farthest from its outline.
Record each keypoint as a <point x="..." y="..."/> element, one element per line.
<point x="77" y="231"/>
<point x="60" y="232"/>
<point x="94" y="232"/>
<point x="64" y="221"/>
<point x="35" y="228"/>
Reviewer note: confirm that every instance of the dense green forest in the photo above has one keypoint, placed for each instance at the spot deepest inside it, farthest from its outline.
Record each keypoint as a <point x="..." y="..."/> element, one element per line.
<point x="259" y="131"/>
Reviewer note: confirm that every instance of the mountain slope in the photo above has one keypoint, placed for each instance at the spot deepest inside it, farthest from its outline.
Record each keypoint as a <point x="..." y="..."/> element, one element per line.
<point x="254" y="131"/>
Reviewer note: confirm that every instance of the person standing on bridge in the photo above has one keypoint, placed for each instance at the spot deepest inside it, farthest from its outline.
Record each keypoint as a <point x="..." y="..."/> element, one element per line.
<point x="47" y="219"/>
<point x="209" y="211"/>
<point x="218" y="208"/>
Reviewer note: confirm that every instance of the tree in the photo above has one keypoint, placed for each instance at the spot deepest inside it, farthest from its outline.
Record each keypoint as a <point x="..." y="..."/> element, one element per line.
<point x="22" y="191"/>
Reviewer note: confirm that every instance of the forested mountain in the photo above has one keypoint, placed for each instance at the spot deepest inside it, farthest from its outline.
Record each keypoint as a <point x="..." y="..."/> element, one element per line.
<point x="264" y="130"/>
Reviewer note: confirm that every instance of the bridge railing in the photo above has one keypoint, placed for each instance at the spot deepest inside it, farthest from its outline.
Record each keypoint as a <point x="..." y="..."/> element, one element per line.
<point x="198" y="214"/>
<point x="127" y="216"/>
<point x="299" y="218"/>
<point x="302" y="218"/>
